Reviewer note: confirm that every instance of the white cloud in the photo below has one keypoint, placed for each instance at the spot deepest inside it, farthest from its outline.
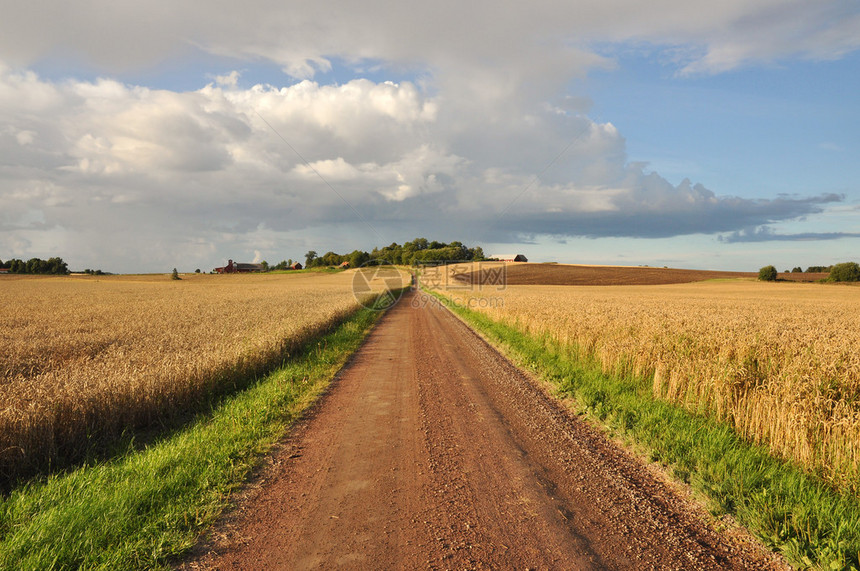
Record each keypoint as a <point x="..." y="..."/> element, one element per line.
<point x="228" y="80"/>
<point x="209" y="165"/>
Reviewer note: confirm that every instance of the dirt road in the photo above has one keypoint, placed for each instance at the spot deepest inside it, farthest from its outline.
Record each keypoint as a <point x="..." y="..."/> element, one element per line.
<point x="432" y="451"/>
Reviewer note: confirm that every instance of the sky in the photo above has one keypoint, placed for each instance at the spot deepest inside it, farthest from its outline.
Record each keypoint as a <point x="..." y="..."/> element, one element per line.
<point x="139" y="137"/>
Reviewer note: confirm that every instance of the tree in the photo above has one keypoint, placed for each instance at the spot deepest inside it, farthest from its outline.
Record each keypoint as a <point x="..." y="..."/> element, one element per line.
<point x="462" y="252"/>
<point x="197" y="271"/>
<point x="846" y="272"/>
<point x="309" y="258"/>
<point x="329" y="259"/>
<point x="797" y="270"/>
<point x="358" y="258"/>
<point x="265" y="265"/>
<point x="57" y="266"/>
<point x="418" y="251"/>
<point x="175" y="275"/>
<point x="767" y="274"/>
<point x="33" y="266"/>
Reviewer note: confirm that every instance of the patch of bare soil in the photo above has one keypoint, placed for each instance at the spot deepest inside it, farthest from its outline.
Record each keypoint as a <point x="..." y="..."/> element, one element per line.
<point x="802" y="276"/>
<point x="432" y="451"/>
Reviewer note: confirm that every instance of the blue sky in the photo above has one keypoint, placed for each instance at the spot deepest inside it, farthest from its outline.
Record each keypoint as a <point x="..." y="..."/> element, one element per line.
<point x="778" y="128"/>
<point x="688" y="134"/>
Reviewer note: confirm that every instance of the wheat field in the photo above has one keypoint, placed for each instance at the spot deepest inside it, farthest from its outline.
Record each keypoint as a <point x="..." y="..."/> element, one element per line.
<point x="86" y="358"/>
<point x="779" y="362"/>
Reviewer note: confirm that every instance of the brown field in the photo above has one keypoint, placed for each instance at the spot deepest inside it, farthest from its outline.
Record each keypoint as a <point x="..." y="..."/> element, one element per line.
<point x="778" y="361"/>
<point x="802" y="276"/>
<point x="569" y="274"/>
<point x="86" y="358"/>
<point x="566" y="274"/>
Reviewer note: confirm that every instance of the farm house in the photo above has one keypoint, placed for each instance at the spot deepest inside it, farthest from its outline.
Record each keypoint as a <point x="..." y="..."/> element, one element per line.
<point x="239" y="268"/>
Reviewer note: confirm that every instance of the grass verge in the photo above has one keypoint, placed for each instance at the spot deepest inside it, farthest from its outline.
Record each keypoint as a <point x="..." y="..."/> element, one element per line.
<point x="142" y="509"/>
<point x="792" y="512"/>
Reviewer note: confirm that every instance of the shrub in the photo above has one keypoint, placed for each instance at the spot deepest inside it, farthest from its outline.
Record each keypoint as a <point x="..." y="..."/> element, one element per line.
<point x="767" y="274"/>
<point x="846" y="272"/>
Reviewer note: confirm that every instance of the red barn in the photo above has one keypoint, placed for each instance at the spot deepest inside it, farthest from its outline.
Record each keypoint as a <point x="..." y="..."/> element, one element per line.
<point x="230" y="268"/>
<point x="239" y="268"/>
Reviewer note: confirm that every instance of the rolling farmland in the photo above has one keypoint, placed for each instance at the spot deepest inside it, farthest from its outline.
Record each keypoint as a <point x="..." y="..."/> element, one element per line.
<point x="84" y="359"/>
<point x="403" y="434"/>
<point x="779" y="362"/>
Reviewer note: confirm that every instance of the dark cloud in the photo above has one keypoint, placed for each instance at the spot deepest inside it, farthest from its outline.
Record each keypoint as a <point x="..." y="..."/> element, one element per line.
<point x="766" y="234"/>
<point x="519" y="222"/>
<point x="533" y="39"/>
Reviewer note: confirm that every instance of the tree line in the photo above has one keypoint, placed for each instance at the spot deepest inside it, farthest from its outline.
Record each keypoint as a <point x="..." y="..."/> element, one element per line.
<point x="418" y="251"/>
<point x="810" y="270"/>
<point x="844" y="272"/>
<point x="51" y="266"/>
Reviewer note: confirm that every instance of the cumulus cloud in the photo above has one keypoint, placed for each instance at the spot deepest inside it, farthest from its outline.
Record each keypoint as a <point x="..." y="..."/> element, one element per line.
<point x="223" y="161"/>
<point x="420" y="171"/>
<point x="217" y="160"/>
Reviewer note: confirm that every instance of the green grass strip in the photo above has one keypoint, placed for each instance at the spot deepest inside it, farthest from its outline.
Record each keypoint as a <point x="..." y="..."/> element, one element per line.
<point x="143" y="509"/>
<point x="792" y="512"/>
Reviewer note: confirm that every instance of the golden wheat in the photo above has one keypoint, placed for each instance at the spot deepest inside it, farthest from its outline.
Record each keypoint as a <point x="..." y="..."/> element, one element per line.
<point x="779" y="362"/>
<point x="85" y="357"/>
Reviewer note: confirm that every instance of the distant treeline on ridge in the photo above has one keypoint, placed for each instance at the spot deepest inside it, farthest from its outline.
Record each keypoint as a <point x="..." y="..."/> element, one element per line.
<point x="51" y="266"/>
<point x="419" y="250"/>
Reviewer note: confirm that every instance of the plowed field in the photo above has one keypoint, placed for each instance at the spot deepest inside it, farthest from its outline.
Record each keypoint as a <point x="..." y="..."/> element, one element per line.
<point x="564" y="274"/>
